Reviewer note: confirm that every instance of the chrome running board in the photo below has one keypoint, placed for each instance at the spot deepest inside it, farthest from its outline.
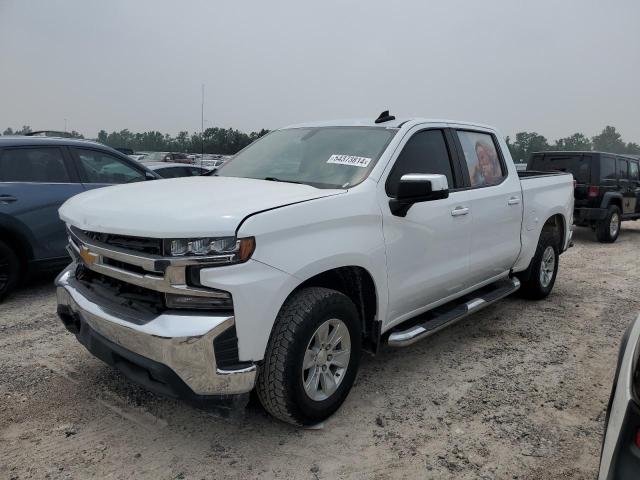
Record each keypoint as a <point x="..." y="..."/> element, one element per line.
<point x="448" y="314"/>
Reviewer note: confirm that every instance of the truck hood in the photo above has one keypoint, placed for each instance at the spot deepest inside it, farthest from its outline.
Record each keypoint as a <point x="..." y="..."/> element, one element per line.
<point x="182" y="207"/>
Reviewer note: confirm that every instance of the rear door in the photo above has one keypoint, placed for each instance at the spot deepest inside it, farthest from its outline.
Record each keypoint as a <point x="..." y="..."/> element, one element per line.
<point x="628" y="194"/>
<point x="634" y="184"/>
<point x="100" y="169"/>
<point x="495" y="196"/>
<point x="608" y="175"/>
<point x="34" y="183"/>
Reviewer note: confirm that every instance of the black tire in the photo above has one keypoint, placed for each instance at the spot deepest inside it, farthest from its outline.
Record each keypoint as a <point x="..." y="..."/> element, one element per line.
<point x="603" y="227"/>
<point x="533" y="287"/>
<point x="9" y="270"/>
<point x="280" y="385"/>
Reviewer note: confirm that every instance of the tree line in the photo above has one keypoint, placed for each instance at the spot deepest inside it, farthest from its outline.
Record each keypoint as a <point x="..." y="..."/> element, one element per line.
<point x="609" y="140"/>
<point x="226" y="141"/>
<point x="229" y="141"/>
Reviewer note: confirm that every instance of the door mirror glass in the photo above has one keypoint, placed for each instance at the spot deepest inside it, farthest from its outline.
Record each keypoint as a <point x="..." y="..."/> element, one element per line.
<point x="418" y="187"/>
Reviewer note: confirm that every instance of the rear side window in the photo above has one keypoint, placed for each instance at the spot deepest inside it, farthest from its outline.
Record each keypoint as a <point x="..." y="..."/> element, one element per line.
<point x="607" y="168"/>
<point x="425" y="152"/>
<point x="39" y="165"/>
<point x="633" y="171"/>
<point x="100" y="167"/>
<point x="623" y="169"/>
<point x="482" y="159"/>
<point x="578" y="165"/>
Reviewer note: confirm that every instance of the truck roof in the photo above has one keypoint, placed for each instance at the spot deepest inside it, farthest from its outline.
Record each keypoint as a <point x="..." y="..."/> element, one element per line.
<point x="370" y="122"/>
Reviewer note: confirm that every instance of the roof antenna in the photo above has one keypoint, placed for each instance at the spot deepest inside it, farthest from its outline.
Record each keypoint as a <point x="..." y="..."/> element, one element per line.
<point x="385" y="117"/>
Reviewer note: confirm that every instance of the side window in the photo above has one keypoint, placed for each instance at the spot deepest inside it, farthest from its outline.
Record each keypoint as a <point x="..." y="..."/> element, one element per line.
<point x="425" y="152"/>
<point x="607" y="168"/>
<point x="633" y="171"/>
<point x="40" y="165"/>
<point x="623" y="169"/>
<point x="100" y="167"/>
<point x="482" y="159"/>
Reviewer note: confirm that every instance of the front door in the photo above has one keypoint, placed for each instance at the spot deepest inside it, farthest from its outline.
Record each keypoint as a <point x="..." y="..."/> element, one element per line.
<point x="34" y="183"/>
<point x="428" y="249"/>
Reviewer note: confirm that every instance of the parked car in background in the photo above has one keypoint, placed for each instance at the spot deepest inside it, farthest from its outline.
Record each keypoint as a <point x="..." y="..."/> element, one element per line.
<point x="213" y="160"/>
<point x="607" y="187"/>
<point x="521" y="167"/>
<point x="620" y="457"/>
<point x="137" y="156"/>
<point x="315" y="242"/>
<point x="125" y="150"/>
<point x="167" y="157"/>
<point x="174" y="170"/>
<point x="37" y="175"/>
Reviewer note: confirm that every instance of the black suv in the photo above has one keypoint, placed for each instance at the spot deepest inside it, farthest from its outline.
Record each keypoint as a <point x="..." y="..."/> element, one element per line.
<point x="607" y="187"/>
<point x="37" y="175"/>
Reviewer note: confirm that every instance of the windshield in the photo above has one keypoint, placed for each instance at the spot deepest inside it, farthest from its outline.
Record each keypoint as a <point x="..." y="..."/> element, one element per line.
<point x="323" y="157"/>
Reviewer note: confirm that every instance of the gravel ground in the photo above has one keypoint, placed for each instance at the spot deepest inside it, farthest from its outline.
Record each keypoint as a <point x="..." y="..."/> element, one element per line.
<point x="516" y="391"/>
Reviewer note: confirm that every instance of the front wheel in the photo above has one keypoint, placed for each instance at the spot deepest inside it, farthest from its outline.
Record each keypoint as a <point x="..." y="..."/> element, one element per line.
<point x="543" y="270"/>
<point x="607" y="230"/>
<point x="312" y="357"/>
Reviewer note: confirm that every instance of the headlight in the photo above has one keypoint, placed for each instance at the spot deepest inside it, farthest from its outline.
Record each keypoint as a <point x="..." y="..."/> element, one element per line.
<point x="235" y="249"/>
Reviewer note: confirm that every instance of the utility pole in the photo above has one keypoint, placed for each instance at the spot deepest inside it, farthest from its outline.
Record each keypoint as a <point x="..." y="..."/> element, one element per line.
<point x="65" y="125"/>
<point x="202" y="128"/>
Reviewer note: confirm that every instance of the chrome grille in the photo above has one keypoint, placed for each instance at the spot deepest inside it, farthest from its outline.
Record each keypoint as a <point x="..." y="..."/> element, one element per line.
<point x="152" y="246"/>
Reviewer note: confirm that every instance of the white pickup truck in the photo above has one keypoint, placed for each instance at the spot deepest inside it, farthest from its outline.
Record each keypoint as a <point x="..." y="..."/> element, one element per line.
<point x="316" y="242"/>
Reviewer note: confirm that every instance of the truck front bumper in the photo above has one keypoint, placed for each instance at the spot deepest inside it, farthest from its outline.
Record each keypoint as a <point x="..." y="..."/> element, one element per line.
<point x="172" y="355"/>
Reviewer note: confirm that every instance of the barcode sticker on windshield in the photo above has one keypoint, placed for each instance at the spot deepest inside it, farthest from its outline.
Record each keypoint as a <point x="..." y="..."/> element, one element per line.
<point x="349" y="160"/>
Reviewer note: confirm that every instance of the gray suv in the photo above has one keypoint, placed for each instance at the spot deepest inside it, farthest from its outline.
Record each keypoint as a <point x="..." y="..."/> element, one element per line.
<point x="37" y="174"/>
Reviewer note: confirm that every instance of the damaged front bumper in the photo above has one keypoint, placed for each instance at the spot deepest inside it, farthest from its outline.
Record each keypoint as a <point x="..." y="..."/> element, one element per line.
<point x="173" y="354"/>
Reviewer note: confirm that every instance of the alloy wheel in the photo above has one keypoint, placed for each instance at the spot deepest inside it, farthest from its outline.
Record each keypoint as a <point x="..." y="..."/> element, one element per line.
<point x="326" y="359"/>
<point x="548" y="266"/>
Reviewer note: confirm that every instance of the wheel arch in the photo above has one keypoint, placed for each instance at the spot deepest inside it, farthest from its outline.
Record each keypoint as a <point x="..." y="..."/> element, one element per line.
<point x="612" y="198"/>
<point x="357" y="283"/>
<point x="19" y="243"/>
<point x="557" y="224"/>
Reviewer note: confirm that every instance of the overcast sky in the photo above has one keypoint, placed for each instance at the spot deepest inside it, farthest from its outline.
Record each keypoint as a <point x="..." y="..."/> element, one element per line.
<point x="555" y="67"/>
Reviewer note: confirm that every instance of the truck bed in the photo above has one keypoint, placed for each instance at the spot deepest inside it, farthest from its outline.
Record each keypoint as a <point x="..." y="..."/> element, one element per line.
<point x="526" y="174"/>
<point x="543" y="194"/>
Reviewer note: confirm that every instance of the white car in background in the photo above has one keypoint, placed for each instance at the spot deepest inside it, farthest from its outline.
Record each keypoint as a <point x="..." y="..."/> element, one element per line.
<point x="175" y="170"/>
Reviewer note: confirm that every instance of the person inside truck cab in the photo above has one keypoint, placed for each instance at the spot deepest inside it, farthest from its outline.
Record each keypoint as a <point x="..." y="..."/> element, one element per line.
<point x="487" y="171"/>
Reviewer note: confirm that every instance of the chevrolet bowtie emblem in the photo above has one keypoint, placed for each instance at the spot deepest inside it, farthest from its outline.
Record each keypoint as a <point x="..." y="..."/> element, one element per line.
<point x="87" y="257"/>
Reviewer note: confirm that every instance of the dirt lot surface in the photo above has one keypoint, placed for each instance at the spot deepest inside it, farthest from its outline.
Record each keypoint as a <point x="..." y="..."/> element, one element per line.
<point x="516" y="391"/>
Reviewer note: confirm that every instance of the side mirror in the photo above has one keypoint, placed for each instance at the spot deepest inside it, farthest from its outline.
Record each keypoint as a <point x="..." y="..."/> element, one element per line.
<point x="416" y="188"/>
<point x="149" y="176"/>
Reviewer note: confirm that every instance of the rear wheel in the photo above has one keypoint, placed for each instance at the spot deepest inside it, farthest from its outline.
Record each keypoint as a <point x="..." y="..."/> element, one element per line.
<point x="9" y="269"/>
<point x="543" y="270"/>
<point x="312" y="357"/>
<point x="607" y="230"/>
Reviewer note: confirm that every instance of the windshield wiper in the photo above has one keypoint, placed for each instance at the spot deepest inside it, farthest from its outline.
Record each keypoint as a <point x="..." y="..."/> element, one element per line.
<point x="274" y="179"/>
